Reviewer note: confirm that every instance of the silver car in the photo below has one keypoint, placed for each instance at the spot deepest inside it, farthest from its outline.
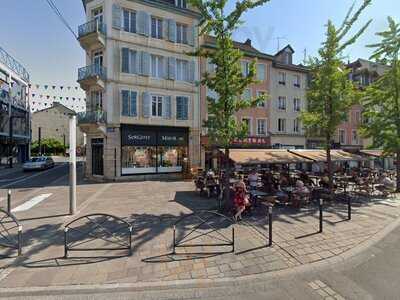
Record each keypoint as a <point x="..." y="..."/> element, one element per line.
<point x="38" y="163"/>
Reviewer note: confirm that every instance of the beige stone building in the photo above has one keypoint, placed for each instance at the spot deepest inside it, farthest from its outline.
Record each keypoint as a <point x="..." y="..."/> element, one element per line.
<point x="53" y="122"/>
<point x="142" y="101"/>
<point x="288" y="98"/>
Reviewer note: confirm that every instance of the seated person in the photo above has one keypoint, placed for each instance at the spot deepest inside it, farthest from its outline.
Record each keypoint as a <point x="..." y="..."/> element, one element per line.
<point x="280" y="194"/>
<point x="306" y="179"/>
<point x="386" y="184"/>
<point x="253" y="180"/>
<point x="300" y="191"/>
<point x="268" y="183"/>
<point x="241" y="199"/>
<point x="324" y="182"/>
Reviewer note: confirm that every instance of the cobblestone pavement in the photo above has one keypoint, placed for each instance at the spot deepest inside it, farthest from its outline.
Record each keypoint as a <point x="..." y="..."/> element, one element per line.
<point x="153" y="207"/>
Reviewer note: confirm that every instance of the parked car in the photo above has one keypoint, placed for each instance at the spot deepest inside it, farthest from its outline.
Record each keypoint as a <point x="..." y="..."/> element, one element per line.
<point x="38" y="163"/>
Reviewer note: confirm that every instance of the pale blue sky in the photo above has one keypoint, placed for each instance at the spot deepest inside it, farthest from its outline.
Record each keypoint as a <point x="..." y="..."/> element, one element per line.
<point x="33" y="34"/>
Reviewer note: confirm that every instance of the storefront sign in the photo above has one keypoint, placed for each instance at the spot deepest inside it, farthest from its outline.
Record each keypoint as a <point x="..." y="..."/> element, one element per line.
<point x="172" y="139"/>
<point x="153" y="137"/>
<point x="252" y="141"/>
<point x="139" y="138"/>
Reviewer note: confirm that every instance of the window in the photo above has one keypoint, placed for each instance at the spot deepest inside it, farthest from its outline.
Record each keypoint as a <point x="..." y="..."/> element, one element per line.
<point x="129" y="20"/>
<point x="296" y="81"/>
<point x="245" y="68"/>
<point x="181" y="34"/>
<point x="281" y="103"/>
<point x="354" y="137"/>
<point x="246" y="94"/>
<point x="156" y="106"/>
<point x="210" y="66"/>
<point x="282" y="78"/>
<point x="247" y="121"/>
<point x="182" y="71"/>
<point x="136" y="160"/>
<point x="296" y="104"/>
<point x="97" y="15"/>
<point x="157" y="66"/>
<point x="281" y="125"/>
<point x="342" y="136"/>
<point x="156" y="28"/>
<point x="96" y="100"/>
<point x="261" y="127"/>
<point x="261" y="72"/>
<point x="296" y="125"/>
<point x="357" y="117"/>
<point x="170" y="159"/>
<point x="128" y="61"/>
<point x="260" y="93"/>
<point x="180" y="3"/>
<point x="129" y="100"/>
<point x="182" y="108"/>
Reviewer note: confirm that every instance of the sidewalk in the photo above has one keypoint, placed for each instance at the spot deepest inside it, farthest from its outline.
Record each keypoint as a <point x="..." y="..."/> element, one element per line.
<point x="153" y="207"/>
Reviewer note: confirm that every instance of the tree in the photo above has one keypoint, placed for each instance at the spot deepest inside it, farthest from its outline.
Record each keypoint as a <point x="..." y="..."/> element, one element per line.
<point x="227" y="81"/>
<point x="381" y="101"/>
<point x="331" y="93"/>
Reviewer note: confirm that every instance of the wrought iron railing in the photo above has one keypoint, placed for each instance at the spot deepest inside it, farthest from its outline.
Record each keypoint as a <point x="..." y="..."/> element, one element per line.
<point x="92" y="71"/>
<point x="90" y="27"/>
<point x="13" y="64"/>
<point x="89" y="117"/>
<point x="10" y="234"/>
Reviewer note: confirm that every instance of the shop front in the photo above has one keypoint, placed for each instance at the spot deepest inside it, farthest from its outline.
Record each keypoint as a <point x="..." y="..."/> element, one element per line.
<point x="153" y="150"/>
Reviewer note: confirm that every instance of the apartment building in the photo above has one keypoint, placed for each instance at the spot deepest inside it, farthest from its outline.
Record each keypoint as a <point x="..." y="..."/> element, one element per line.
<point x="143" y="103"/>
<point x="14" y="110"/>
<point x="363" y="73"/>
<point x="257" y="118"/>
<point x="288" y="86"/>
<point x="43" y="96"/>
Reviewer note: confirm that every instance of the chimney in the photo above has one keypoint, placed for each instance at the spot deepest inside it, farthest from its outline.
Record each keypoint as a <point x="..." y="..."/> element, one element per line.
<point x="248" y="42"/>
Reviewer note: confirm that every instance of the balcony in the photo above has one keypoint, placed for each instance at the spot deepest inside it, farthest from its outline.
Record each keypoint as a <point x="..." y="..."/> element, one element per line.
<point x="92" y="35"/>
<point x="92" y="76"/>
<point x="92" y="122"/>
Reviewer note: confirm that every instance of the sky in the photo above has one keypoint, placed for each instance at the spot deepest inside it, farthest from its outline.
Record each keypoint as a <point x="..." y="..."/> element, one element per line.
<point x="34" y="35"/>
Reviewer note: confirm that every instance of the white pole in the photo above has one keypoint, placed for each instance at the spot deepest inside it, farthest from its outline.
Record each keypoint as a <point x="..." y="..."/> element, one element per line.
<point x="72" y="165"/>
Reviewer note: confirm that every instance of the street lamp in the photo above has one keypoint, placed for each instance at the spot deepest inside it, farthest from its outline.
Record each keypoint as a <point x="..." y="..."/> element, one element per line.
<point x="11" y="139"/>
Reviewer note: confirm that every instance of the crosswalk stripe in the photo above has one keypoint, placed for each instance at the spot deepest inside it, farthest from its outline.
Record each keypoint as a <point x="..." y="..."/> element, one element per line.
<point x="31" y="203"/>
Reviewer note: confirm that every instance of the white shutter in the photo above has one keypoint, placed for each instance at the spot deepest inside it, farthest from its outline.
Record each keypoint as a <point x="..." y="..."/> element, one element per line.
<point x="132" y="62"/>
<point x="116" y="16"/>
<point x="165" y="25"/>
<point x="167" y="107"/>
<point x="143" y="23"/>
<point x="171" y="67"/>
<point x="146" y="104"/>
<point x="172" y="30"/>
<point x="145" y="63"/>
<point x="191" y="34"/>
<point x="192" y="70"/>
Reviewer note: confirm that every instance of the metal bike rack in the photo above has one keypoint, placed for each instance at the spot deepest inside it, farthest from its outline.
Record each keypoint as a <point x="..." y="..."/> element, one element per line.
<point x="10" y="231"/>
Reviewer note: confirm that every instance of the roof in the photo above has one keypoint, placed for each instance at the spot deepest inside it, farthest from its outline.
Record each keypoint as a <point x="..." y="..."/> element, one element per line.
<point x="371" y="66"/>
<point x="264" y="156"/>
<point x="375" y="153"/>
<point x="58" y="105"/>
<point x="320" y="155"/>
<point x="284" y="48"/>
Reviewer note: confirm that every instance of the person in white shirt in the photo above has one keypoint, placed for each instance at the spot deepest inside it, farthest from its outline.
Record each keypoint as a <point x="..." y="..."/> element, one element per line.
<point x="253" y="180"/>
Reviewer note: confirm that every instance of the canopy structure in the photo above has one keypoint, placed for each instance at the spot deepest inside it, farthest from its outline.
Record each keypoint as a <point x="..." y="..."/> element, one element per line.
<point x="265" y="156"/>
<point x="320" y="155"/>
<point x="374" y="153"/>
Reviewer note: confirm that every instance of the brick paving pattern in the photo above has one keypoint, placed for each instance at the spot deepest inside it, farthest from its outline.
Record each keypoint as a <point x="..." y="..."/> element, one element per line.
<point x="153" y="208"/>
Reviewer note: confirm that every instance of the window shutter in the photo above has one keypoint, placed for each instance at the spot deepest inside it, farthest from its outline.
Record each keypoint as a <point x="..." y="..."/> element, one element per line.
<point x="165" y="24"/>
<point x="125" y="102"/>
<point x="191" y="34"/>
<point x="172" y="30"/>
<point x="147" y="20"/>
<point x="185" y="108"/>
<point x="125" y="60"/>
<point x="171" y="67"/>
<point x="167" y="107"/>
<point x="116" y="16"/>
<point x="146" y="104"/>
<point x="143" y="23"/>
<point x="179" y="108"/>
<point x="132" y="62"/>
<point x="165" y="67"/>
<point x="145" y="63"/>
<point x="192" y="70"/>
<point x="139" y="59"/>
<point x="133" y="102"/>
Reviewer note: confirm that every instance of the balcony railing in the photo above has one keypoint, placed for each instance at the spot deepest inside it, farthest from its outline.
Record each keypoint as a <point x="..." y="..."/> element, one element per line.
<point x="13" y="64"/>
<point x="92" y="117"/>
<point x="92" y="71"/>
<point x="90" y="27"/>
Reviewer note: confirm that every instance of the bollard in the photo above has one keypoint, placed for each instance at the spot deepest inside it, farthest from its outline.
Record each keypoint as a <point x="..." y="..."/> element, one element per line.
<point x="65" y="242"/>
<point x="270" y="226"/>
<point x="233" y="238"/>
<point x="130" y="240"/>
<point x="9" y="201"/>
<point x="19" y="240"/>
<point x="173" y="242"/>
<point x="349" y="207"/>
<point x="321" y="202"/>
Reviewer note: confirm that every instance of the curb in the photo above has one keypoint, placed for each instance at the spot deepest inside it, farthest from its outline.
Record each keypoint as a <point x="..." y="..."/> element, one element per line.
<point x="337" y="261"/>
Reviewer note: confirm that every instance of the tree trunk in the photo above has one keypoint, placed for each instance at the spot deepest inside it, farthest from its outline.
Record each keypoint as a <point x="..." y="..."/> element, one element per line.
<point x="329" y="164"/>
<point x="227" y="177"/>
<point x="398" y="171"/>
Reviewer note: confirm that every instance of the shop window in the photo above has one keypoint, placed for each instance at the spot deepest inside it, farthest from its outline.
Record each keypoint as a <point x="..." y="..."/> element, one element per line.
<point x="170" y="159"/>
<point x="138" y="160"/>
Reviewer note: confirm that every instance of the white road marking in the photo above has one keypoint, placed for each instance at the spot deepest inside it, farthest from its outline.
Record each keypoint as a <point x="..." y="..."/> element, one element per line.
<point x="32" y="176"/>
<point x="31" y="203"/>
<point x="5" y="180"/>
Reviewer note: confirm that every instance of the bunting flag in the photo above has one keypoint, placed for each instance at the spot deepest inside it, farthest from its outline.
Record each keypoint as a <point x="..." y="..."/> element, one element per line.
<point x="45" y="87"/>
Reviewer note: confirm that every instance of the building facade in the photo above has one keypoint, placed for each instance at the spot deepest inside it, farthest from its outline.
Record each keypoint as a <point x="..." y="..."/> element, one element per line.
<point x="14" y="110"/>
<point x="42" y="96"/>
<point x="142" y="108"/>
<point x="288" y="86"/>
<point x="53" y="122"/>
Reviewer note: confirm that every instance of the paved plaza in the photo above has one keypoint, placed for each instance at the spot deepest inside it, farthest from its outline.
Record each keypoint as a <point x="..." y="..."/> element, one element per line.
<point x="152" y="208"/>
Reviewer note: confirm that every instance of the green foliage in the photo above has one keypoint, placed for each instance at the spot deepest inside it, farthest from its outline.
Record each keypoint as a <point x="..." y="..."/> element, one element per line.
<point x="49" y="146"/>
<point x="227" y="80"/>
<point x="331" y="93"/>
<point x="381" y="100"/>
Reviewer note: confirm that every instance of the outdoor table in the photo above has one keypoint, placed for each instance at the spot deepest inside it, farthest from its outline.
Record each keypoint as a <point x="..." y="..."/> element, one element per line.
<point x="289" y="190"/>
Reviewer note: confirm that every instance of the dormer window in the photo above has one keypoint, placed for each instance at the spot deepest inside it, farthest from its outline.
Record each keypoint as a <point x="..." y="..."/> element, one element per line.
<point x="180" y="3"/>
